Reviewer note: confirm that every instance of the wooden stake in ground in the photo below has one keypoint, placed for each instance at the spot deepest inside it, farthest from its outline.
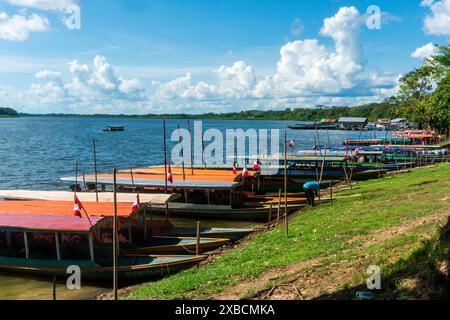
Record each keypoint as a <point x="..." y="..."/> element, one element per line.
<point x="54" y="288"/>
<point x="197" y="247"/>
<point x="115" y="238"/>
<point x="279" y="206"/>
<point x="270" y="215"/>
<point x="331" y="192"/>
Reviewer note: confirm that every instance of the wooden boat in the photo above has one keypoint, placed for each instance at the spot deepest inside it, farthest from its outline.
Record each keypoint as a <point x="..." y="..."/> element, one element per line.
<point x="114" y="129"/>
<point x="173" y="245"/>
<point x="234" y="234"/>
<point x="47" y="245"/>
<point x="250" y="212"/>
<point x="132" y="268"/>
<point x="151" y="245"/>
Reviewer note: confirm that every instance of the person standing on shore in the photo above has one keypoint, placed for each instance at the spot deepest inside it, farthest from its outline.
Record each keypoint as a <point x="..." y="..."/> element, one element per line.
<point x="311" y="189"/>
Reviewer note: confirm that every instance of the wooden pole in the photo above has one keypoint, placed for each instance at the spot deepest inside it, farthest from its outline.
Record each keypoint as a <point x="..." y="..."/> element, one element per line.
<point x="115" y="236"/>
<point x="27" y="248"/>
<point x="270" y="215"/>
<point x="165" y="155"/>
<point x="54" y="288"/>
<point x="84" y="181"/>
<point x="197" y="247"/>
<point x="331" y="192"/>
<point x="279" y="206"/>
<point x="95" y="170"/>
<point x="182" y="153"/>
<point x="58" y="250"/>
<point x="145" y="222"/>
<point x="132" y="179"/>
<point x="76" y="178"/>
<point x="191" y="156"/>
<point x="286" y="223"/>
<point x="91" y="246"/>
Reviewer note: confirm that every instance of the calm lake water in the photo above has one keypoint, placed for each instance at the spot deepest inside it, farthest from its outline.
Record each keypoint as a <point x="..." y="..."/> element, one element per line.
<point x="36" y="152"/>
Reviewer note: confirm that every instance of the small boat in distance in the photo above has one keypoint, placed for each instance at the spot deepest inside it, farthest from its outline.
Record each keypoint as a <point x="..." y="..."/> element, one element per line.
<point x="114" y="129"/>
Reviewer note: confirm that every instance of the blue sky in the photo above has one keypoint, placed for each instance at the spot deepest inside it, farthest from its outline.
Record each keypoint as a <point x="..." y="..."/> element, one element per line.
<point x="141" y="56"/>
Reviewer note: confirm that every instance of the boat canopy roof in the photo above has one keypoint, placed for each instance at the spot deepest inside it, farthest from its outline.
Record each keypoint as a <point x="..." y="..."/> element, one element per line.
<point x="27" y="222"/>
<point x="65" y="208"/>
<point x="177" y="184"/>
<point x="153" y="198"/>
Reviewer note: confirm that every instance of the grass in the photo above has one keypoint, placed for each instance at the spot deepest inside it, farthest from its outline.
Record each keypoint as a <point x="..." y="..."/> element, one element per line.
<point x="324" y="231"/>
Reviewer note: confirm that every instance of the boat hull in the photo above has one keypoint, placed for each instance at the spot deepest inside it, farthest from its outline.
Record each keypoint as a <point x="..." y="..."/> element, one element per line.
<point x="155" y="267"/>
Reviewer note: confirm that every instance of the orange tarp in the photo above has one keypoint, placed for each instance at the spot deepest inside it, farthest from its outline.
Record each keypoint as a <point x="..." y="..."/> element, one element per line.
<point x="65" y="208"/>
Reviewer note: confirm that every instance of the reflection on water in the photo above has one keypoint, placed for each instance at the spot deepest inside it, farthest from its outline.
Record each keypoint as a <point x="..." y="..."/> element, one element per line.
<point x="14" y="287"/>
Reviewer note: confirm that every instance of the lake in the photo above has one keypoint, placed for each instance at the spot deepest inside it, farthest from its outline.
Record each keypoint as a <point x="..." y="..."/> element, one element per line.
<point x="36" y="151"/>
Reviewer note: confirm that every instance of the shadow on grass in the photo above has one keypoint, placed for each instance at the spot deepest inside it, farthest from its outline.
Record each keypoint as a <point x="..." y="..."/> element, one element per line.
<point x="423" y="275"/>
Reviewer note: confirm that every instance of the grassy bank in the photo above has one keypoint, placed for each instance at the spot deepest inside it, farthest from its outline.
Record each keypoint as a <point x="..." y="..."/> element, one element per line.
<point x="397" y="223"/>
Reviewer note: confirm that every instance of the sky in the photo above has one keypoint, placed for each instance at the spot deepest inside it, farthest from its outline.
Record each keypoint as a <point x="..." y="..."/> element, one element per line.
<point x="172" y="56"/>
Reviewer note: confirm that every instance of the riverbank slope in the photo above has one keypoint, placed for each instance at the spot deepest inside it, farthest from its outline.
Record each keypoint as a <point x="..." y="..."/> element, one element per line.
<point x="398" y="223"/>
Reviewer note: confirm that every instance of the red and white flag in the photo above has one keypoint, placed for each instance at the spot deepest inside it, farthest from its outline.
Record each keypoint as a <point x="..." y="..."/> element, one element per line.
<point x="245" y="172"/>
<point x="292" y="143"/>
<point x="136" y="204"/>
<point x="169" y="174"/>
<point x="77" y="207"/>
<point x="234" y="168"/>
<point x="256" y="167"/>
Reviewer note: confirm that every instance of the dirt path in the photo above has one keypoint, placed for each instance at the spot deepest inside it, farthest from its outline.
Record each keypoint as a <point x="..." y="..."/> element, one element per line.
<point x="301" y="283"/>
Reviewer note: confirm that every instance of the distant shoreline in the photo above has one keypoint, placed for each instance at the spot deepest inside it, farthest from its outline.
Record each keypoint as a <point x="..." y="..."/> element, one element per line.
<point x="373" y="112"/>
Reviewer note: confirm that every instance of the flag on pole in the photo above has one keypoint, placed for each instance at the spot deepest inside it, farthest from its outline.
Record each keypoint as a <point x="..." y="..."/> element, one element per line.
<point x="136" y="204"/>
<point x="169" y="174"/>
<point x="77" y="207"/>
<point x="256" y="167"/>
<point x="245" y="172"/>
<point x="292" y="143"/>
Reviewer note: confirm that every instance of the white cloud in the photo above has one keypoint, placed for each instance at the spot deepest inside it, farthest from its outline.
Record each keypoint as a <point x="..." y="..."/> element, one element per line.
<point x="47" y="5"/>
<point x="424" y="52"/>
<point x="19" y="27"/>
<point x="438" y="22"/>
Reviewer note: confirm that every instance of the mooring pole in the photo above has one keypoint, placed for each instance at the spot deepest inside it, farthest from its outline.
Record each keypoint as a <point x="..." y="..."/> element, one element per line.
<point x="165" y="155"/>
<point x="54" y="288"/>
<point x="95" y="170"/>
<point x="190" y="146"/>
<point x="286" y="223"/>
<point x="182" y="152"/>
<point x="115" y="236"/>
<point x="279" y="206"/>
<point x="197" y="247"/>
<point x="331" y="192"/>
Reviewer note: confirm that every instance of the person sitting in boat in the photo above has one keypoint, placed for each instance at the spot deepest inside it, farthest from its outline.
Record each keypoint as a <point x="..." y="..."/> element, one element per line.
<point x="122" y="239"/>
<point x="311" y="189"/>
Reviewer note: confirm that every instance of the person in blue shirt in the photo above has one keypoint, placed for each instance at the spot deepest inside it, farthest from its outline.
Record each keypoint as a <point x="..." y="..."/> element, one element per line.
<point x="311" y="189"/>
